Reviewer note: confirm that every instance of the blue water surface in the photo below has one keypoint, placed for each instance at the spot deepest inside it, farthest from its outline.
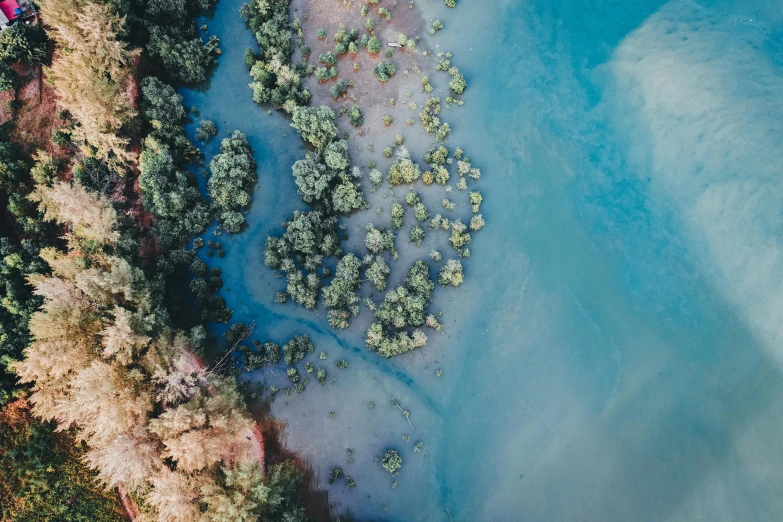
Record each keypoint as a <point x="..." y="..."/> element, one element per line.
<point x="615" y="352"/>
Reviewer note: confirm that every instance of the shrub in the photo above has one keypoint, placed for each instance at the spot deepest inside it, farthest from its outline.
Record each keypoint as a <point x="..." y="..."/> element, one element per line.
<point x="206" y="130"/>
<point x="388" y="152"/>
<point x="9" y="79"/>
<point x="451" y="273"/>
<point x="459" y="235"/>
<point x="23" y="42"/>
<point x="373" y="45"/>
<point x="391" y="461"/>
<point x="417" y="235"/>
<point x="377" y="240"/>
<point x="321" y="33"/>
<point x="327" y="58"/>
<point x="389" y="52"/>
<point x="475" y="200"/>
<point x="338" y="89"/>
<point x="420" y="212"/>
<point x="403" y="170"/>
<point x="340" y="296"/>
<point x="387" y="120"/>
<point x="435" y="255"/>
<point x="376" y="177"/>
<point x="356" y="116"/>
<point x="297" y="348"/>
<point x="316" y="125"/>
<point x="477" y="222"/>
<point x="377" y="273"/>
<point x="385" y="13"/>
<point x="451" y="3"/>
<point x="457" y="83"/>
<point x="384" y="70"/>
<point x="397" y="213"/>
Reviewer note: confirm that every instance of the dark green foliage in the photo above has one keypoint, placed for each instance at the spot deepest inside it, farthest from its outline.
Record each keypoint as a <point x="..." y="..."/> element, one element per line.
<point x="232" y="181"/>
<point x="297" y="348"/>
<point x="17" y="304"/>
<point x="282" y="87"/>
<point x="284" y="483"/>
<point x="377" y="240"/>
<point x="23" y="42"/>
<point x="309" y="237"/>
<point x="341" y="297"/>
<point x="327" y="58"/>
<point x="185" y="60"/>
<point x="43" y="477"/>
<point x="9" y="79"/>
<point x="316" y="125"/>
<point x="206" y="130"/>
<point x="341" y="364"/>
<point x="457" y="83"/>
<point x="171" y="194"/>
<point x="378" y="272"/>
<point x="338" y="89"/>
<point x="384" y="70"/>
<point x="356" y="116"/>
<point x="335" y="475"/>
<point x="402" y="307"/>
<point x="391" y="461"/>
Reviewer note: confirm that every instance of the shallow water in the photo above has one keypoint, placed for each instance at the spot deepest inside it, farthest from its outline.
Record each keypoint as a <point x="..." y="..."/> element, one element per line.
<point x="615" y="351"/>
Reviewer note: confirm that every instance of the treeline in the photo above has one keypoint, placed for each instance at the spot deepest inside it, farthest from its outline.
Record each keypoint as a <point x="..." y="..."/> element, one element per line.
<point x="106" y="359"/>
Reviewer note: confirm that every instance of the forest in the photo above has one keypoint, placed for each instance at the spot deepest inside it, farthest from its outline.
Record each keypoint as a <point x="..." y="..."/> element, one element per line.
<point x="116" y="399"/>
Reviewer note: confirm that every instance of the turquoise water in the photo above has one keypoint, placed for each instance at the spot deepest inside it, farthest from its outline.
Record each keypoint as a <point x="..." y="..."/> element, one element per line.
<point x="615" y="351"/>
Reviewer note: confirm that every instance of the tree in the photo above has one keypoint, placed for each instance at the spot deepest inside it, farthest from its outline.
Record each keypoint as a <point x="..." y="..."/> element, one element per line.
<point x="88" y="215"/>
<point x="315" y="124"/>
<point x="341" y="296"/>
<point x="391" y="461"/>
<point x="232" y="181"/>
<point x="23" y="42"/>
<point x="451" y="273"/>
<point x="206" y="130"/>
<point x="90" y="77"/>
<point x="186" y="61"/>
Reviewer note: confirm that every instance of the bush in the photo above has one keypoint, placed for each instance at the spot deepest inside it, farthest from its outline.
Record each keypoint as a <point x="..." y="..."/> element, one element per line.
<point x="397" y="214"/>
<point x="8" y="77"/>
<point x="404" y="170"/>
<point x="356" y="116"/>
<point x="457" y="83"/>
<point x="477" y="222"/>
<point x="338" y="89"/>
<point x="391" y="461"/>
<point x="377" y="273"/>
<point x="451" y="273"/>
<point x="377" y="240"/>
<point x="451" y="3"/>
<point x="340" y="296"/>
<point x="373" y="45"/>
<point x="376" y="177"/>
<point x="206" y="130"/>
<point x="321" y="33"/>
<point x="328" y="59"/>
<point x="417" y="235"/>
<point x="316" y="125"/>
<point x="297" y="349"/>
